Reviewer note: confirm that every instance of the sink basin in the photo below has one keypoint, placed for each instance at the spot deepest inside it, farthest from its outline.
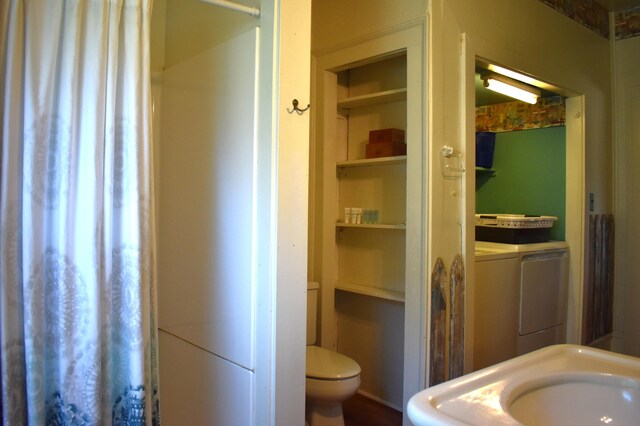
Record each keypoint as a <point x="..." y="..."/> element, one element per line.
<point x="557" y="385"/>
<point x="578" y="398"/>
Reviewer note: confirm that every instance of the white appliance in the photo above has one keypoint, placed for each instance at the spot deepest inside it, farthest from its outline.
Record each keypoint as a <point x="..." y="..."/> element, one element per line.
<point x="520" y="299"/>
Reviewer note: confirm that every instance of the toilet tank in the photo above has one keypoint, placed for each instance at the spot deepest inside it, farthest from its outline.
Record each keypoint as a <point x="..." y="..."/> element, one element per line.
<point x="312" y="311"/>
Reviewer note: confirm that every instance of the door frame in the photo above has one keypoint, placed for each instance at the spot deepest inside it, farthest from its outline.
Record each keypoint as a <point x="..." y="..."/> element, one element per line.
<point x="576" y="201"/>
<point x="409" y="37"/>
<point x="281" y="193"/>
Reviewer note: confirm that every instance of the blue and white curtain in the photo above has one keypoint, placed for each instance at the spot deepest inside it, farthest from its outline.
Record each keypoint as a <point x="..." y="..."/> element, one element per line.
<point x="77" y="262"/>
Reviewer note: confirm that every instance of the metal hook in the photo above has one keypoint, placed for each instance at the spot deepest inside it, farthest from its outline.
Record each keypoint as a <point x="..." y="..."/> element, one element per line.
<point x="296" y="109"/>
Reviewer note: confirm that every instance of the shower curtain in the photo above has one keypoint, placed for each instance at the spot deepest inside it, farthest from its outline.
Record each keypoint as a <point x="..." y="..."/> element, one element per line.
<point x="77" y="271"/>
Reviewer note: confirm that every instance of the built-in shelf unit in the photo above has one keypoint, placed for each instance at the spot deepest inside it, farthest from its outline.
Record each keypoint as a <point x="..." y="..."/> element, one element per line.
<point x="371" y="96"/>
<point x="368" y="267"/>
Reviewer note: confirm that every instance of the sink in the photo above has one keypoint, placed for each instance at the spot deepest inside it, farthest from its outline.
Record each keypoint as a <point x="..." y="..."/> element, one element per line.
<point x="578" y="398"/>
<point x="556" y="385"/>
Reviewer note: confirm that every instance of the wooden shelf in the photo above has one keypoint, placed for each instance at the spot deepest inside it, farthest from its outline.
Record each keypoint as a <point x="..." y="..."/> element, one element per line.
<point x="483" y="171"/>
<point x="399" y="226"/>
<point x="373" y="98"/>
<point x="396" y="296"/>
<point x="382" y="161"/>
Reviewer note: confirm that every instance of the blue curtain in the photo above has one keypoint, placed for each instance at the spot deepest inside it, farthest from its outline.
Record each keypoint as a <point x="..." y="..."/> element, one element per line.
<point x="77" y="262"/>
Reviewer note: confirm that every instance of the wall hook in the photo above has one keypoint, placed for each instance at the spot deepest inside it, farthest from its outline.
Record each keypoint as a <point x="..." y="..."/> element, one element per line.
<point x="296" y="109"/>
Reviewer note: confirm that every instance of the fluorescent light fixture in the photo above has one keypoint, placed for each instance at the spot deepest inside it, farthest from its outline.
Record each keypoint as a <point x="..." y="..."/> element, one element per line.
<point x="511" y="88"/>
<point x="514" y="74"/>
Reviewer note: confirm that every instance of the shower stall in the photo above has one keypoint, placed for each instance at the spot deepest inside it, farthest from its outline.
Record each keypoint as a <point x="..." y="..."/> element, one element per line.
<point x="229" y="159"/>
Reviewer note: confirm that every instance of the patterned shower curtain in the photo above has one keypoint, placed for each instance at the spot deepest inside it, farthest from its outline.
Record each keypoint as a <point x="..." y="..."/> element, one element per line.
<point x="77" y="269"/>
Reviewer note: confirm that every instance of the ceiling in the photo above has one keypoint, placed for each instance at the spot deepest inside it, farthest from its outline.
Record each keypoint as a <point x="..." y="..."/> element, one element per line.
<point x="618" y="4"/>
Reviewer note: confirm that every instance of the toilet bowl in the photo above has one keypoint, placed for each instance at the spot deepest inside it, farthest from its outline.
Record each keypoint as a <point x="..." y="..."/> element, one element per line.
<point x="330" y="377"/>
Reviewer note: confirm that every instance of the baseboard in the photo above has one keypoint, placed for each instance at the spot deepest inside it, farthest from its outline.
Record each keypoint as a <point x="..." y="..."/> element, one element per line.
<point x="380" y="400"/>
<point x="603" y="342"/>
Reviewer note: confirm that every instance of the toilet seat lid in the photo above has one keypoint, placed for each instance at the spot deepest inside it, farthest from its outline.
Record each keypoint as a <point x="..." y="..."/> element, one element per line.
<point x="329" y="365"/>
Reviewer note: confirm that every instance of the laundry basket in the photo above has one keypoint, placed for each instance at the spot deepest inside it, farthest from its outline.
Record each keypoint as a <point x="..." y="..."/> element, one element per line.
<point x="513" y="228"/>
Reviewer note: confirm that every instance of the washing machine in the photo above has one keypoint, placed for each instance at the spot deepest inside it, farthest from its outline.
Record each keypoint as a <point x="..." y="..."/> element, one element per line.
<point x="520" y="299"/>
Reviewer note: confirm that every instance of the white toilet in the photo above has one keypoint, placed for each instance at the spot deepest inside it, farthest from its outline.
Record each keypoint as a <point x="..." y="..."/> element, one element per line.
<point x="331" y="377"/>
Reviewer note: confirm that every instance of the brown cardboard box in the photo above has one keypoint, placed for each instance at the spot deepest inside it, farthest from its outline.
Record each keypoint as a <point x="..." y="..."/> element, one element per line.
<point x="386" y="135"/>
<point x="386" y="149"/>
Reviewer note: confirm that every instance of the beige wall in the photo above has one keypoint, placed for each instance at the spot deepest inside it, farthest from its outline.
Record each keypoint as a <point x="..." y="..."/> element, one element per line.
<point x="532" y="37"/>
<point x="192" y="27"/>
<point x="334" y="22"/>
<point x="525" y="34"/>
<point x="158" y="24"/>
<point x="576" y="59"/>
<point x="559" y="50"/>
<point x="627" y="202"/>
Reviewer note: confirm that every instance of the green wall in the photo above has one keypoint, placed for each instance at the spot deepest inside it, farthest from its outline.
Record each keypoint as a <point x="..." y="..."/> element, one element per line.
<point x="530" y="176"/>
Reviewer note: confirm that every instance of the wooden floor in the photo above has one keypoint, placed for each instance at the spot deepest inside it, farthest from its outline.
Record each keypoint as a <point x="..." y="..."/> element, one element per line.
<point x="362" y="411"/>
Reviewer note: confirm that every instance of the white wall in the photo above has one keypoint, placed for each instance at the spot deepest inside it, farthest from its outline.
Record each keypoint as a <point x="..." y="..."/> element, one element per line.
<point x="231" y="180"/>
<point x="200" y="388"/>
<point x="206" y="294"/>
<point x="627" y="203"/>
<point x="369" y="330"/>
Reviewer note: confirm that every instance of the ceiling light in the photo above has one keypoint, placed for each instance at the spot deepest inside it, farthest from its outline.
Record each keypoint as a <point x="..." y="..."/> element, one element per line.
<point x="511" y="88"/>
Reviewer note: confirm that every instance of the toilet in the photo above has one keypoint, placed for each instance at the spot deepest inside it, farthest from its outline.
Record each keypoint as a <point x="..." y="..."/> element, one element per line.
<point x="331" y="377"/>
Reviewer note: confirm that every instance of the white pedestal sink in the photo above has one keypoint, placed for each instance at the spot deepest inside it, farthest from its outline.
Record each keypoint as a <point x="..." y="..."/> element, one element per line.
<point x="557" y="385"/>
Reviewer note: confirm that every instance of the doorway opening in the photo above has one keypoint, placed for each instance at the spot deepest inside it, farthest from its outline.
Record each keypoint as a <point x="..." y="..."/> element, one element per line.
<point x="536" y="169"/>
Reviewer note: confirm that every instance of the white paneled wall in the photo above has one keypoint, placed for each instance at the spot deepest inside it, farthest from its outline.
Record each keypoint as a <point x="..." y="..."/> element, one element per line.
<point x="199" y="388"/>
<point x="371" y="332"/>
<point x="205" y="234"/>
